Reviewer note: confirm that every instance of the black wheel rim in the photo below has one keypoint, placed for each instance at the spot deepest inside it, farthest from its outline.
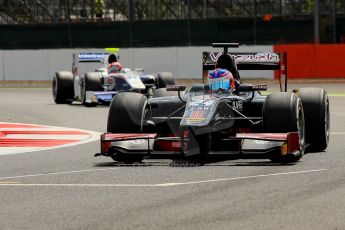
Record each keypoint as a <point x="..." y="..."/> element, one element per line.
<point x="82" y="91"/>
<point x="54" y="88"/>
<point x="327" y="120"/>
<point x="301" y="130"/>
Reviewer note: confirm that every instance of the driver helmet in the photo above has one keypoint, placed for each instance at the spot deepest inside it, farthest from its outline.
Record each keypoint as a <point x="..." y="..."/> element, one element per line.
<point x="221" y="79"/>
<point x="114" y="67"/>
<point x="112" y="58"/>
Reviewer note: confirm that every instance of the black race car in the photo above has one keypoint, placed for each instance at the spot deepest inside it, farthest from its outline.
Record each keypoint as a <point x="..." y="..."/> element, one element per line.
<point x="202" y="123"/>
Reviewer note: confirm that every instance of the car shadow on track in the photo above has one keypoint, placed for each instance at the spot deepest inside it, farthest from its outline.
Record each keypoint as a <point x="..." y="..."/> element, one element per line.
<point x="78" y="104"/>
<point x="135" y="164"/>
<point x="185" y="163"/>
<point x="254" y="163"/>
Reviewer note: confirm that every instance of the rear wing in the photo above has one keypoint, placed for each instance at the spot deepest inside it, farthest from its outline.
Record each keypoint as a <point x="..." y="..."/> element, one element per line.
<point x="251" y="61"/>
<point x="87" y="57"/>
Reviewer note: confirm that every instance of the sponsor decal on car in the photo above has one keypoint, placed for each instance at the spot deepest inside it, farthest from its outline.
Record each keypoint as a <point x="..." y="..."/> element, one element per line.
<point x="237" y="105"/>
<point x="91" y="56"/>
<point x="250" y="57"/>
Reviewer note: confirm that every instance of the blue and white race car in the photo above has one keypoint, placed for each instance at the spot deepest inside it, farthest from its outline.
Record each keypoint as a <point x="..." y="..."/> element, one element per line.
<point x="100" y="85"/>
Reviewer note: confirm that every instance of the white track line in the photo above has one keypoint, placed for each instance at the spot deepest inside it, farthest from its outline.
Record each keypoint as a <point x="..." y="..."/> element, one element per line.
<point x="338" y="114"/>
<point x="239" y="178"/>
<point x="56" y="173"/>
<point x="154" y="185"/>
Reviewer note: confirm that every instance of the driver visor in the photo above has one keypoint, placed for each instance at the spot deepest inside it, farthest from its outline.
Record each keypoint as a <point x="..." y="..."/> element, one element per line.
<point x="219" y="84"/>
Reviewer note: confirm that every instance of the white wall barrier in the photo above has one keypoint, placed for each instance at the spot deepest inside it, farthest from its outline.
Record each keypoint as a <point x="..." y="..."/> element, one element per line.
<point x="183" y="62"/>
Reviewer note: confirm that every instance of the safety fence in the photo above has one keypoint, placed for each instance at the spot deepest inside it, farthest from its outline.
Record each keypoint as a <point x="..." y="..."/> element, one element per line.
<point x="166" y="33"/>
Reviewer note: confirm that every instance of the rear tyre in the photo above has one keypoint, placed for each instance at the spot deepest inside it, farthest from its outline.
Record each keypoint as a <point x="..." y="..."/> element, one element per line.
<point x="282" y="113"/>
<point x="62" y="87"/>
<point x="164" y="79"/>
<point x="126" y="115"/>
<point x="90" y="82"/>
<point x="317" y="119"/>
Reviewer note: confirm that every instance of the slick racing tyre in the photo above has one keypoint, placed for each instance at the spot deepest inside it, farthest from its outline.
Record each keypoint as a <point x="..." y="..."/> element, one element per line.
<point x="90" y="82"/>
<point x="126" y="115"/>
<point x="63" y="89"/>
<point x="164" y="79"/>
<point x="282" y="113"/>
<point x="317" y="120"/>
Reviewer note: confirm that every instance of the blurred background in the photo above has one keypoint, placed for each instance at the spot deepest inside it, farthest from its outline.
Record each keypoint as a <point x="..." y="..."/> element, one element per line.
<point x="170" y="35"/>
<point x="37" y="24"/>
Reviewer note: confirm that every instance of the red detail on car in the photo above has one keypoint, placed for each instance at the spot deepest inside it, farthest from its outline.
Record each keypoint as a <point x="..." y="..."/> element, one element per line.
<point x="171" y="145"/>
<point x="127" y="136"/>
<point x="197" y="113"/>
<point x="293" y="142"/>
<point x="244" y="130"/>
<point x="110" y="80"/>
<point x="263" y="136"/>
<point x="167" y="145"/>
<point x="105" y="146"/>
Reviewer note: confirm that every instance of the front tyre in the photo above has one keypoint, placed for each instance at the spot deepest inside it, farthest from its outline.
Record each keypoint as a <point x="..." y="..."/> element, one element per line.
<point x="164" y="79"/>
<point x="282" y="113"/>
<point x="126" y="115"/>
<point x="317" y="118"/>
<point x="90" y="82"/>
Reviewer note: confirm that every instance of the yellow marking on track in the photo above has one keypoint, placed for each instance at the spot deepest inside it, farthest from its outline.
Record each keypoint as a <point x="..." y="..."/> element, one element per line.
<point x="9" y="182"/>
<point x="336" y="94"/>
<point x="265" y="92"/>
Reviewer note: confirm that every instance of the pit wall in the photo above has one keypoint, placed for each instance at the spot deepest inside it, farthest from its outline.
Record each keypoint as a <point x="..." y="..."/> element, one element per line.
<point x="314" y="61"/>
<point x="183" y="62"/>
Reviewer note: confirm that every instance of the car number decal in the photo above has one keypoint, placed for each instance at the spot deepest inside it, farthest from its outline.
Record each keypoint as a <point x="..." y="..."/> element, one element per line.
<point x="197" y="114"/>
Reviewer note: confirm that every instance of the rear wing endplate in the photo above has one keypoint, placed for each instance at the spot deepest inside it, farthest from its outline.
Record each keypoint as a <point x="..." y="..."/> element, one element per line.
<point x="251" y="61"/>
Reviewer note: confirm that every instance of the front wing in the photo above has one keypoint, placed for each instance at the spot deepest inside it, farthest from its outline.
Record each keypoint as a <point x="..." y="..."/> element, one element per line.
<point x="149" y="144"/>
<point x="99" y="96"/>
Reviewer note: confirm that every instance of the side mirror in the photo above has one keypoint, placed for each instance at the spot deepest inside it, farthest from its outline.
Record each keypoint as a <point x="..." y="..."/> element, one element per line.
<point x="176" y="88"/>
<point x="259" y="87"/>
<point x="249" y="88"/>
<point x="139" y="70"/>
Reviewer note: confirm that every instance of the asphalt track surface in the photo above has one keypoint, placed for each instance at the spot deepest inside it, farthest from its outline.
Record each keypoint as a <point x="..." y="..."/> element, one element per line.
<point x="67" y="188"/>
